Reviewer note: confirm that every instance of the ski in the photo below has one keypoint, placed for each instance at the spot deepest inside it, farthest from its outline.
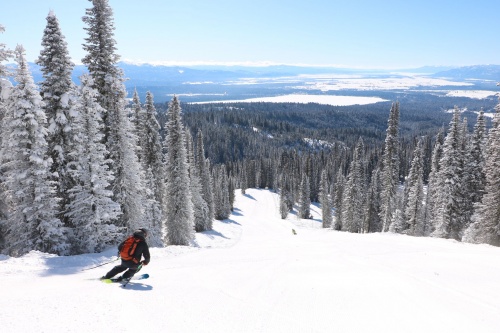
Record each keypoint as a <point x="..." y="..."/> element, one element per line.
<point x="125" y="282"/>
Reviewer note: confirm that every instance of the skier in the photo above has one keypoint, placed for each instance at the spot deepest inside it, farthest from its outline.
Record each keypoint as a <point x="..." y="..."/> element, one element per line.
<point x="131" y="251"/>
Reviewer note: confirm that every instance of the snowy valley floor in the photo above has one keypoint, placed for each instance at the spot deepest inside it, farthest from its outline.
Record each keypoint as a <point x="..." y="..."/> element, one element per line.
<point x="252" y="274"/>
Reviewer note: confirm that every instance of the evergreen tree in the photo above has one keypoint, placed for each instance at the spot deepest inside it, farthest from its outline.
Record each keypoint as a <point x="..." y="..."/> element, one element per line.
<point x="337" y="202"/>
<point x="475" y="169"/>
<point x="414" y="209"/>
<point x="119" y="132"/>
<point x="486" y="220"/>
<point x="221" y="194"/>
<point x="326" y="205"/>
<point x="372" y="217"/>
<point x="138" y="121"/>
<point x="128" y="186"/>
<point x="179" y="217"/>
<point x="353" y="201"/>
<point x="203" y="167"/>
<point x="244" y="185"/>
<point x="390" y="168"/>
<point x="448" y="219"/>
<point x="101" y="59"/>
<point x="5" y="88"/>
<point x="92" y="211"/>
<point x="304" y="198"/>
<point x="153" y="212"/>
<point x="433" y="186"/>
<point x="469" y="168"/>
<point x="32" y="223"/>
<point x="231" y="188"/>
<point x="56" y="90"/>
<point x="200" y="207"/>
<point x="152" y="161"/>
<point x="284" y="209"/>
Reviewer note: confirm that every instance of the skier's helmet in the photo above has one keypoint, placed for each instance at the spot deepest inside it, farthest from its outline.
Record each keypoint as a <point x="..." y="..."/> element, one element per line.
<point x="145" y="231"/>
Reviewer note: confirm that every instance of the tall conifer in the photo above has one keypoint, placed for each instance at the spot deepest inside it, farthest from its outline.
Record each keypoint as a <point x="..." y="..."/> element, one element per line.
<point x="389" y="177"/>
<point x="448" y="217"/>
<point x="203" y="167"/>
<point x="414" y="209"/>
<point x="179" y="218"/>
<point x="57" y="89"/>
<point x="486" y="220"/>
<point x="326" y="203"/>
<point x="354" y="196"/>
<point x="92" y="212"/>
<point x="304" y="198"/>
<point x="32" y="223"/>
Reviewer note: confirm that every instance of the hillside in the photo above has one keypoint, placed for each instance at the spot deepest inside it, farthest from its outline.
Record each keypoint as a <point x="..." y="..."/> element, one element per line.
<point x="252" y="274"/>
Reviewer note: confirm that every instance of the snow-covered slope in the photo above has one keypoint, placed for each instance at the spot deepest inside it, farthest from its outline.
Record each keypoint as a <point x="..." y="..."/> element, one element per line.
<point x="253" y="274"/>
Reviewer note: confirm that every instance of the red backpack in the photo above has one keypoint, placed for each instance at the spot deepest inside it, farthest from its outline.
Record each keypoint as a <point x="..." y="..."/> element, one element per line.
<point x="128" y="249"/>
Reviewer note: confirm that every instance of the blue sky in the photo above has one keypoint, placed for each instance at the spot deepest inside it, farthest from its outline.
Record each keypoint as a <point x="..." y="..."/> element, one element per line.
<point x="350" y="33"/>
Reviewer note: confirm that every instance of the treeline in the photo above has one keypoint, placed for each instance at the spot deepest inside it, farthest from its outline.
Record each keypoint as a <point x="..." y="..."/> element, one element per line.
<point x="418" y="181"/>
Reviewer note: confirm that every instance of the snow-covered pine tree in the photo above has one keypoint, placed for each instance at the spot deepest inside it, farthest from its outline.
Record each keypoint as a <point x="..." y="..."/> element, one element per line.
<point x="486" y="219"/>
<point x="372" y="217"/>
<point x="468" y="168"/>
<point x="221" y="193"/>
<point x="200" y="207"/>
<point x="448" y="218"/>
<point x="152" y="161"/>
<point x="340" y="183"/>
<point x="304" y="198"/>
<point x="5" y="87"/>
<point x="56" y="90"/>
<point x="284" y="208"/>
<point x="153" y="212"/>
<point x="119" y="133"/>
<point x="179" y="218"/>
<point x="128" y="186"/>
<point x="326" y="203"/>
<point x="475" y="168"/>
<point x="243" y="180"/>
<point x="314" y="175"/>
<point x="230" y="189"/>
<point x="101" y="59"/>
<point x="353" y="200"/>
<point x="433" y="184"/>
<point x="203" y="168"/>
<point x="258" y="173"/>
<point x="138" y="120"/>
<point x="92" y="211"/>
<point x="389" y="177"/>
<point x="414" y="209"/>
<point x="32" y="223"/>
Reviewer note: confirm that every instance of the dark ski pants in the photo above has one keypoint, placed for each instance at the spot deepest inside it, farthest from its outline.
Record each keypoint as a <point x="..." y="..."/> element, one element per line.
<point x="126" y="264"/>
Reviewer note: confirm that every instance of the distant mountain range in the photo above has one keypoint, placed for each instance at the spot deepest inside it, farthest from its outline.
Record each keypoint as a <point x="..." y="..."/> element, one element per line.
<point x="164" y="80"/>
<point x="479" y="72"/>
<point x="155" y="75"/>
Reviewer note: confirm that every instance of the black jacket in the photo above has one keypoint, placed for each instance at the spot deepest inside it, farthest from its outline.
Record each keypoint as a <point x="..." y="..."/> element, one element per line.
<point x="142" y="248"/>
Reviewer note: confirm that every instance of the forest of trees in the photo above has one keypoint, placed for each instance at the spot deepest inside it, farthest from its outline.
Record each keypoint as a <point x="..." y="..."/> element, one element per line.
<point x="81" y="166"/>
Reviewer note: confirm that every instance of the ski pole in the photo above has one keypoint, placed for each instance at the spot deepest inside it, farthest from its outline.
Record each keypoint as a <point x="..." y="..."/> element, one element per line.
<point x="109" y="262"/>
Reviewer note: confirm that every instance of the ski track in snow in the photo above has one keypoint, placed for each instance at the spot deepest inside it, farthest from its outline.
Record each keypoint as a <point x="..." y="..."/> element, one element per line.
<point x="252" y="274"/>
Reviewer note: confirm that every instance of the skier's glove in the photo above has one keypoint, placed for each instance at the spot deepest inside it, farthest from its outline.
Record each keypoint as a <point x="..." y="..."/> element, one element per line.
<point x="144" y="262"/>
